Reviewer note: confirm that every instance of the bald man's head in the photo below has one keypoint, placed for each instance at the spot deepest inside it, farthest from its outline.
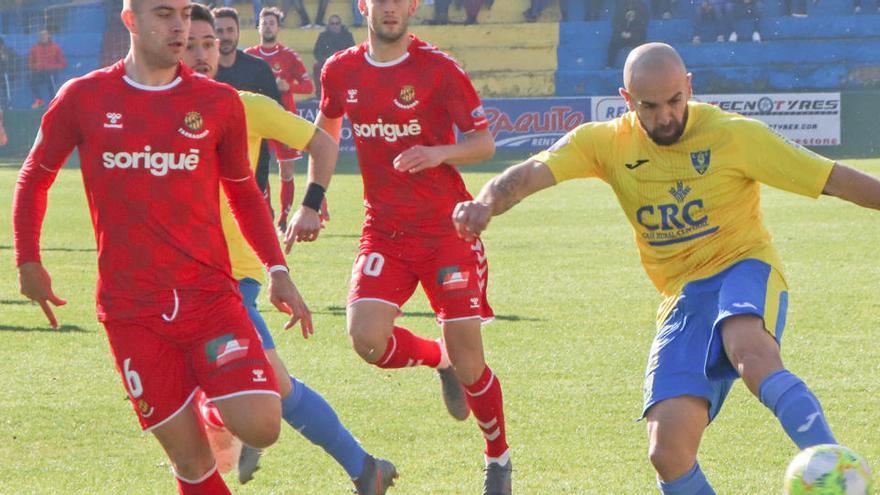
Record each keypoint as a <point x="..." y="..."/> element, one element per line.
<point x="649" y="61"/>
<point x="657" y="87"/>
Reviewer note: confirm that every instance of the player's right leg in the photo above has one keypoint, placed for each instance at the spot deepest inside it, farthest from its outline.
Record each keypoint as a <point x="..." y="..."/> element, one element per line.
<point x="286" y="169"/>
<point x="680" y="400"/>
<point x="675" y="427"/>
<point x="380" y="285"/>
<point x="161" y="387"/>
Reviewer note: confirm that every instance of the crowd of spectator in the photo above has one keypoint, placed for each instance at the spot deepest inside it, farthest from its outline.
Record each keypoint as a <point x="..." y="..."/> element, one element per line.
<point x="40" y="65"/>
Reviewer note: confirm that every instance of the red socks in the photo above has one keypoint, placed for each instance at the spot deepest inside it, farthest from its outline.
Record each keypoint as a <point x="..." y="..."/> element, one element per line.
<point x="210" y="484"/>
<point x="486" y="403"/>
<point x="286" y="197"/>
<point x="405" y="349"/>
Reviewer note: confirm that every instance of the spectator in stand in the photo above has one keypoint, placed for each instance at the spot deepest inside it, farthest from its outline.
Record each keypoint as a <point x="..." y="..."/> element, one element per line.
<point x="594" y="9"/>
<point x="44" y="62"/>
<point x="333" y="39"/>
<point x="662" y="9"/>
<point x="857" y="6"/>
<point x="471" y="7"/>
<point x="708" y="21"/>
<point x="742" y="9"/>
<point x="357" y="19"/>
<point x="304" y="20"/>
<point x="7" y="64"/>
<point x="629" y="27"/>
<point x="797" y="8"/>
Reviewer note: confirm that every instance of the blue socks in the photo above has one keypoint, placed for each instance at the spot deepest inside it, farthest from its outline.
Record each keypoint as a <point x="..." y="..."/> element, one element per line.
<point x="308" y="413"/>
<point x="692" y="483"/>
<point x="796" y="408"/>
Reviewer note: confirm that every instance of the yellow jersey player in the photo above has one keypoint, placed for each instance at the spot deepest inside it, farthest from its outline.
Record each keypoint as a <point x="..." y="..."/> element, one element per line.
<point x="303" y="408"/>
<point x="687" y="176"/>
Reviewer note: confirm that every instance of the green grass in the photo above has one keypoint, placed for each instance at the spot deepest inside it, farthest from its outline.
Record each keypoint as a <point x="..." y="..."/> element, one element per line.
<point x="576" y="322"/>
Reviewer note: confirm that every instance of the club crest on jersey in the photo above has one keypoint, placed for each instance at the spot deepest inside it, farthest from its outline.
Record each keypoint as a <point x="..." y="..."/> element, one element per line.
<point x="145" y="408"/>
<point x="225" y="349"/>
<point x="700" y="160"/>
<point x="407" y="97"/>
<point x="193" y="123"/>
<point x="113" y="120"/>
<point x="276" y="67"/>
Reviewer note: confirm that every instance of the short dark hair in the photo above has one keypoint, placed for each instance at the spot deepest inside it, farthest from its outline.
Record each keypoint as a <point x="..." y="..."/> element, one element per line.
<point x="201" y="13"/>
<point x="267" y="11"/>
<point x="227" y="12"/>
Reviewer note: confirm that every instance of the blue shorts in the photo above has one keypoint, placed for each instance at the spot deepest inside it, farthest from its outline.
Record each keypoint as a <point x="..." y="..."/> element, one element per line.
<point x="687" y="356"/>
<point x="250" y="289"/>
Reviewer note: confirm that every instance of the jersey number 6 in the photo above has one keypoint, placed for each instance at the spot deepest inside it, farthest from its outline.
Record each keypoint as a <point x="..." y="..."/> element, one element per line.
<point x="132" y="379"/>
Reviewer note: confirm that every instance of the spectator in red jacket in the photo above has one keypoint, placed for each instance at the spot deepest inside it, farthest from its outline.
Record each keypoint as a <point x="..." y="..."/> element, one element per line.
<point x="44" y="62"/>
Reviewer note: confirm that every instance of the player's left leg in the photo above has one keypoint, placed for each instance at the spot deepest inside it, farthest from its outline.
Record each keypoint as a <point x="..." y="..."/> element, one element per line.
<point x="286" y="169"/>
<point x="455" y="283"/>
<point x="752" y="306"/>
<point x="308" y="413"/>
<point x="755" y="355"/>
<point x="464" y="343"/>
<point x="184" y="442"/>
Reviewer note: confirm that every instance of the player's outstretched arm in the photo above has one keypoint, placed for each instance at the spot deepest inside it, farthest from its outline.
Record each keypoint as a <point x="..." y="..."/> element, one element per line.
<point x="853" y="186"/>
<point x="499" y="195"/>
<point x="475" y="147"/>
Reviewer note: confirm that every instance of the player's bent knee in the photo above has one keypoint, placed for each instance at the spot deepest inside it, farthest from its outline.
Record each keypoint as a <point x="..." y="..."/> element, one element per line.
<point x="669" y="461"/>
<point x="368" y="341"/>
<point x="254" y="418"/>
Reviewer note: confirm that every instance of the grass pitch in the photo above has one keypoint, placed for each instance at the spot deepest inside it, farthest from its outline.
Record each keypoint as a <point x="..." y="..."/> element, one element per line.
<point x="574" y="329"/>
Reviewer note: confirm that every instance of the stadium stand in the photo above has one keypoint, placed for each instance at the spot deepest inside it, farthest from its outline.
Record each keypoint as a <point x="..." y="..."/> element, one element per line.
<point x="507" y="56"/>
<point x="831" y="49"/>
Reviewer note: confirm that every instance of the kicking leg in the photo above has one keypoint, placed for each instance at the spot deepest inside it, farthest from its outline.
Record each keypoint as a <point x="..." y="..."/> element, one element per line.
<point x="755" y="355"/>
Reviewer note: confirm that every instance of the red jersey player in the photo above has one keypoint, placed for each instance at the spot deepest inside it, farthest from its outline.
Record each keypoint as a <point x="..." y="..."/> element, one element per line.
<point x="156" y="142"/>
<point x="293" y="79"/>
<point x="404" y="97"/>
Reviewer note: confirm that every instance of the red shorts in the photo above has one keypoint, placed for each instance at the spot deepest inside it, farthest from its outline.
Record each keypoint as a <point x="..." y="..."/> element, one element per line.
<point x="284" y="152"/>
<point x="213" y="346"/>
<point x="453" y="272"/>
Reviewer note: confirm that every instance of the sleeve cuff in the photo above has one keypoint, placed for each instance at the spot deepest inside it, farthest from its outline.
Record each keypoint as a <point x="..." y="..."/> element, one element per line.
<point x="278" y="268"/>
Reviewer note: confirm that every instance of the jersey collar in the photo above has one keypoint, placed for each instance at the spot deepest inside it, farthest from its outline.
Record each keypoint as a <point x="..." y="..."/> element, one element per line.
<point x="182" y="72"/>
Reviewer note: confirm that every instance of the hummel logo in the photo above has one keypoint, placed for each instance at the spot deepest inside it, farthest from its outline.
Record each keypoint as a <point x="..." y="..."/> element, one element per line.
<point x="113" y="119"/>
<point x="637" y="164"/>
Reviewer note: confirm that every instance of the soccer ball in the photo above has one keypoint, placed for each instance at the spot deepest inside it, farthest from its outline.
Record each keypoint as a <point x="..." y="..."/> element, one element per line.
<point x="828" y="470"/>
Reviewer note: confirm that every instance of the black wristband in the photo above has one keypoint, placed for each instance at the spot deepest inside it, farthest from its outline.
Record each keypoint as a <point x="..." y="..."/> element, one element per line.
<point x="314" y="196"/>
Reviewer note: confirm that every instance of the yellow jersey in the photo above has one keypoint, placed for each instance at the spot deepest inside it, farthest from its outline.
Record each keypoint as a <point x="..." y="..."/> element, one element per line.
<point x="695" y="204"/>
<point x="266" y="119"/>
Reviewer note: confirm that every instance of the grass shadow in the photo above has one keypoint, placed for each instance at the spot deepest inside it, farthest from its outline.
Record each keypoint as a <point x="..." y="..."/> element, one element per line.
<point x="56" y="249"/>
<point x="340" y="311"/>
<point x="61" y="329"/>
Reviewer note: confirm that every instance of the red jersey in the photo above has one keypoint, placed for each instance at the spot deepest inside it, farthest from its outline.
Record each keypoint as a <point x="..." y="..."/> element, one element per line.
<point x="152" y="160"/>
<point x="393" y="106"/>
<point x="286" y="65"/>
